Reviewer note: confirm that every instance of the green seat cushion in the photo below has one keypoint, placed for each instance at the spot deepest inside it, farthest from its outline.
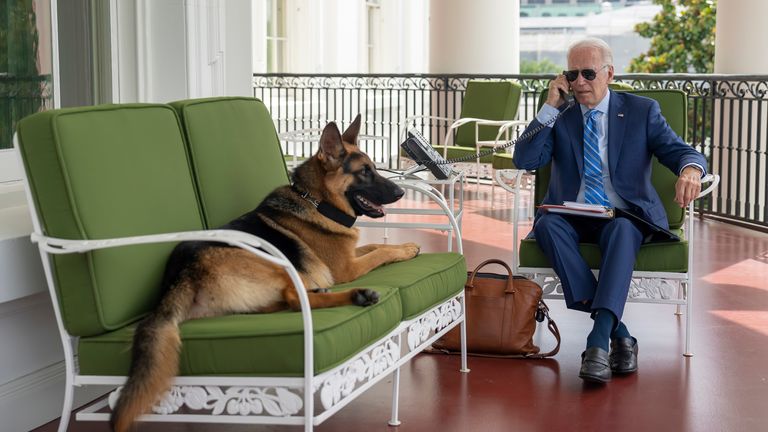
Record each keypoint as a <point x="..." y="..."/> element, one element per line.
<point x="503" y="161"/>
<point x="657" y="257"/>
<point x="257" y="344"/>
<point x="458" y="152"/>
<point x="424" y="281"/>
<point x="103" y="172"/>
<point x="235" y="152"/>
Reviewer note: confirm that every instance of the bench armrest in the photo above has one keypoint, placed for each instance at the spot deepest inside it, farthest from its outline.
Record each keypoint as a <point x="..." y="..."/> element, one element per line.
<point x="249" y="242"/>
<point x="714" y="179"/>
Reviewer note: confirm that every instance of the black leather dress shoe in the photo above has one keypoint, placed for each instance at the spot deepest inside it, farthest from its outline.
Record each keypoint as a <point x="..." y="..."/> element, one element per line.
<point x="623" y="357"/>
<point x="595" y="366"/>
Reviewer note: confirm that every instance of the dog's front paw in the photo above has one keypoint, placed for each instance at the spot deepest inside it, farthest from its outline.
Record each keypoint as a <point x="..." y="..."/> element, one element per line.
<point x="364" y="297"/>
<point x="411" y="249"/>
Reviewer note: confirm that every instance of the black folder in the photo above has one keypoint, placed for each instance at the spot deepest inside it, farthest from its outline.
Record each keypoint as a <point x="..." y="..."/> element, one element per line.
<point x="652" y="233"/>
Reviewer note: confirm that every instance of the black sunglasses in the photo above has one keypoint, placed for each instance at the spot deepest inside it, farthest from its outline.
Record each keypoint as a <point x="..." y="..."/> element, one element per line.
<point x="588" y="74"/>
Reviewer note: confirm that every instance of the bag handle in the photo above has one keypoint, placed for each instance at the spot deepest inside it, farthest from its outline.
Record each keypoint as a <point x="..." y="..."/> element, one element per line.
<point x="552" y="326"/>
<point x="510" y="284"/>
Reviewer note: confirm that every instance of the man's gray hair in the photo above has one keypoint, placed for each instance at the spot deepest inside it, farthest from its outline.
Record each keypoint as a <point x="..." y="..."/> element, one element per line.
<point x="593" y="42"/>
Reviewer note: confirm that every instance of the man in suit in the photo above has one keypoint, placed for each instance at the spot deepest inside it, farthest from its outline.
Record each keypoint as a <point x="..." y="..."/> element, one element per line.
<point x="601" y="152"/>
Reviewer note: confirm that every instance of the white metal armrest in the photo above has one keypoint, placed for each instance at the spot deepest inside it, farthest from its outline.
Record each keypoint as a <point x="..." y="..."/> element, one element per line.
<point x="249" y="242"/>
<point x="423" y="187"/>
<point x="709" y="178"/>
<point x="298" y="136"/>
<point x="409" y="120"/>
<point x="504" y="127"/>
<point x="503" y="130"/>
<point x="312" y="135"/>
<point x="301" y="135"/>
<point x="455" y="125"/>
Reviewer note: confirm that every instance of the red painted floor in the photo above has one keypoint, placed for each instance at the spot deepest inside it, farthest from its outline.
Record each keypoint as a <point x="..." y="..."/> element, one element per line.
<point x="724" y="387"/>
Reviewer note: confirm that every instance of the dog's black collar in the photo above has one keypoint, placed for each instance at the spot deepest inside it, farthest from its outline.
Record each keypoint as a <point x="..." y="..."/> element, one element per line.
<point x="328" y="210"/>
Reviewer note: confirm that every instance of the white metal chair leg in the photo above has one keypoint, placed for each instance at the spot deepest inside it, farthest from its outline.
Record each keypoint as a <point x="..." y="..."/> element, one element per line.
<point x="464" y="366"/>
<point x="493" y="186"/>
<point x="678" y="310"/>
<point x="687" y="285"/>
<point x="394" y="420"/>
<point x="688" y="319"/>
<point x="463" y="332"/>
<point x="66" y="411"/>
<point x="532" y="203"/>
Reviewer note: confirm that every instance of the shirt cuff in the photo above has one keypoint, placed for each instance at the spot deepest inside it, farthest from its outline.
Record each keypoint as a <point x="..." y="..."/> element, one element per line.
<point x="547" y="113"/>
<point x="701" y="168"/>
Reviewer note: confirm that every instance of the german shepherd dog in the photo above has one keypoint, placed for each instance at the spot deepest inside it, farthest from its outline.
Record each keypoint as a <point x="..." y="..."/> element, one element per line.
<point x="310" y="222"/>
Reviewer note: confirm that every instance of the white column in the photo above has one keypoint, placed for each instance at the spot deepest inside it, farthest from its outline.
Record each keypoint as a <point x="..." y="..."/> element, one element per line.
<point x="477" y="37"/>
<point x="177" y="49"/>
<point x="741" y="37"/>
<point x="739" y="49"/>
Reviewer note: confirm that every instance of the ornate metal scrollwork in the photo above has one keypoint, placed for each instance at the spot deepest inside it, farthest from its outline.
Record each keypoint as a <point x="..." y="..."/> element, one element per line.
<point x="274" y="401"/>
<point x="653" y="288"/>
<point x="639" y="288"/>
<point x="550" y="285"/>
<point x="366" y="367"/>
<point x="432" y="322"/>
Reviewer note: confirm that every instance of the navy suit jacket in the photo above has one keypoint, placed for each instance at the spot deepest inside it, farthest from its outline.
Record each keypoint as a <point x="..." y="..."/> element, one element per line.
<point x="636" y="132"/>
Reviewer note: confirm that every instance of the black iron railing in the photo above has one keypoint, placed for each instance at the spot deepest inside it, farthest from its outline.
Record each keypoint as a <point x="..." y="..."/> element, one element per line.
<point x="727" y="119"/>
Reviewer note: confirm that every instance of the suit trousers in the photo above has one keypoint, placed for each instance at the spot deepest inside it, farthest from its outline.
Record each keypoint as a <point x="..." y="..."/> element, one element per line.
<point x="619" y="240"/>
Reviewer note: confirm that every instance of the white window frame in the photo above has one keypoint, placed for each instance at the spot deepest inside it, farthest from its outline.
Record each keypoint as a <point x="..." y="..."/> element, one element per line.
<point x="373" y="33"/>
<point x="10" y="168"/>
<point x="278" y="42"/>
<point x="10" y="164"/>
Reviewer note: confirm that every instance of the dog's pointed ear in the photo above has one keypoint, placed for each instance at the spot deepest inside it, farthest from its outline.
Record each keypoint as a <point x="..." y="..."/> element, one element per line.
<point x="331" y="148"/>
<point x="350" y="135"/>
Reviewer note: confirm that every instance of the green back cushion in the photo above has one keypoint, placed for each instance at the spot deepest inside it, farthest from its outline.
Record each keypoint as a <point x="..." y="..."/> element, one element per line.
<point x="674" y="108"/>
<point x="104" y="172"/>
<point x="235" y="153"/>
<point x="490" y="100"/>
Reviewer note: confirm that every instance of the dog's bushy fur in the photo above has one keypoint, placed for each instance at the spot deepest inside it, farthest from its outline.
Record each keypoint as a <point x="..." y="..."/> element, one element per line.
<point x="207" y="279"/>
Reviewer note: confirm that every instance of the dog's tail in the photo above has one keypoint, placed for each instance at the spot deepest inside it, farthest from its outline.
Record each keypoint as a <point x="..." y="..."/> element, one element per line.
<point x="155" y="362"/>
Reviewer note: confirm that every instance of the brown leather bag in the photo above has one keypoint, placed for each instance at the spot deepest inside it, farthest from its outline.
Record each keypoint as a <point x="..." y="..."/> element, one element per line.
<point x="501" y="313"/>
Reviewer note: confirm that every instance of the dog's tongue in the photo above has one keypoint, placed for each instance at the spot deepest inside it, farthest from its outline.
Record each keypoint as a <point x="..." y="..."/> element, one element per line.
<point x="377" y="207"/>
<point x="372" y="206"/>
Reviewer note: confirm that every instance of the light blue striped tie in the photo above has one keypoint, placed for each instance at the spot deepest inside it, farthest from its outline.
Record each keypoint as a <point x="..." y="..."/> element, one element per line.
<point x="593" y="173"/>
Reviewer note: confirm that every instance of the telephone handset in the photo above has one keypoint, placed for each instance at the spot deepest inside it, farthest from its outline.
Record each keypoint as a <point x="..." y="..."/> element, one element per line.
<point x="417" y="147"/>
<point x="567" y="97"/>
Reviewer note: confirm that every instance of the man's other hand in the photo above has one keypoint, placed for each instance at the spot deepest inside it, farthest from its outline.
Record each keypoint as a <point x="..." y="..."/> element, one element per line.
<point x="688" y="186"/>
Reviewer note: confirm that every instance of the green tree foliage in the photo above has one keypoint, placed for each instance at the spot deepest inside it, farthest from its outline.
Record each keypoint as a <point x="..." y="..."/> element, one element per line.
<point x="539" y="67"/>
<point x="21" y="87"/>
<point x="682" y="38"/>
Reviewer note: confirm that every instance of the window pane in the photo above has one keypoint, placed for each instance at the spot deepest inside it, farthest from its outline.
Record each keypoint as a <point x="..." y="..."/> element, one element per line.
<point x="25" y="63"/>
<point x="276" y="30"/>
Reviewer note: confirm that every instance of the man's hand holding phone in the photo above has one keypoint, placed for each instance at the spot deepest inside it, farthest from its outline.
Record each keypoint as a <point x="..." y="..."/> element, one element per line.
<point x="558" y="91"/>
